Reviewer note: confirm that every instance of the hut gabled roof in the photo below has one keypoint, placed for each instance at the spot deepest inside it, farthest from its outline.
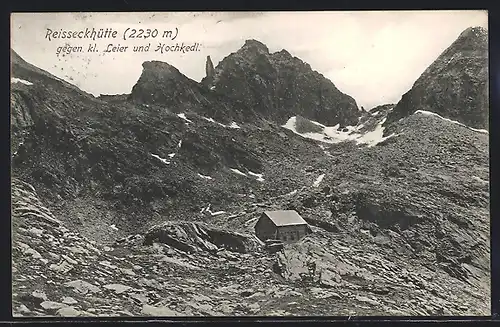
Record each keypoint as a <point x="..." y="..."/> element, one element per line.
<point x="285" y="217"/>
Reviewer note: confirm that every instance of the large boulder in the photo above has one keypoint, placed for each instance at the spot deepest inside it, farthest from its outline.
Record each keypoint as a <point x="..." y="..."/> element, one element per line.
<point x="193" y="237"/>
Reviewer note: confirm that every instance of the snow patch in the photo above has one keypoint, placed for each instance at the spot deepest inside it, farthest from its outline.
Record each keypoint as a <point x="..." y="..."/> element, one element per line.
<point x="165" y="161"/>
<point x="113" y="227"/>
<point x="207" y="209"/>
<point x="18" y="80"/>
<point x="328" y="154"/>
<point x="203" y="176"/>
<point x="429" y="113"/>
<point x="232" y="125"/>
<point x="332" y="134"/>
<point x="213" y="121"/>
<point x="374" y="137"/>
<point x="179" y="144"/>
<point x="18" y="147"/>
<point x="183" y="116"/>
<point x="210" y="119"/>
<point x="259" y="176"/>
<point x="238" y="172"/>
<point x="217" y="213"/>
<point x="318" y="180"/>
<point x="171" y="155"/>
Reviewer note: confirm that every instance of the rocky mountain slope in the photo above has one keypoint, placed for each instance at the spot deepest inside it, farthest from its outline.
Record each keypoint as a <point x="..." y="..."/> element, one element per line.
<point x="360" y="267"/>
<point x="127" y="163"/>
<point x="455" y="86"/>
<point x="144" y="204"/>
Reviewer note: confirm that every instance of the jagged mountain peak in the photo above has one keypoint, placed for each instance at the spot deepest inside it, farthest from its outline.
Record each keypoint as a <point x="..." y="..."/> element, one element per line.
<point x="253" y="47"/>
<point x="254" y="50"/>
<point x="254" y="83"/>
<point x="474" y="31"/>
<point x="16" y="58"/>
<point x="279" y="86"/>
<point x="471" y="39"/>
<point x="159" y="67"/>
<point x="160" y="82"/>
<point x="283" y="54"/>
<point x="455" y="85"/>
<point x="252" y="44"/>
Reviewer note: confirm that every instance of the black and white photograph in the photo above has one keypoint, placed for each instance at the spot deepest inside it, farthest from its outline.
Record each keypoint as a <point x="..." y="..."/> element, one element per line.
<point x="194" y="164"/>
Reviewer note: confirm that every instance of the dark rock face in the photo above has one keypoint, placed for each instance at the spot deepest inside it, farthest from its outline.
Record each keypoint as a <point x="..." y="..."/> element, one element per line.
<point x="455" y="86"/>
<point x="279" y="86"/>
<point x="163" y="85"/>
<point x="209" y="70"/>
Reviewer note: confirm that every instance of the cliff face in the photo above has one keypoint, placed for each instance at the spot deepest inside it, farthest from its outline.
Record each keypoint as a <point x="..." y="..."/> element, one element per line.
<point x="163" y="83"/>
<point x="279" y="86"/>
<point x="455" y="86"/>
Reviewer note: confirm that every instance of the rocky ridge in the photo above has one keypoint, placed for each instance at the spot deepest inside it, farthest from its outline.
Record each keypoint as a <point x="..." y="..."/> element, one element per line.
<point x="278" y="86"/>
<point x="163" y="85"/>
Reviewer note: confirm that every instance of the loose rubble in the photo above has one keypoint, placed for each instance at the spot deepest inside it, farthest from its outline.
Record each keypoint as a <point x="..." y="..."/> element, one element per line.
<point x="321" y="273"/>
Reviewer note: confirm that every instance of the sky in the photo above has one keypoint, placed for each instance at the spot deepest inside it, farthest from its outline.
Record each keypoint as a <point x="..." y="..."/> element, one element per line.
<point x="373" y="56"/>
